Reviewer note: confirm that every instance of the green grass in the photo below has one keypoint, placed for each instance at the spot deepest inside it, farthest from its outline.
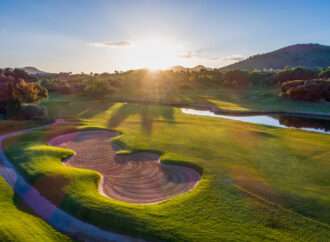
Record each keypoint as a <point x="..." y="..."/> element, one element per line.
<point x="17" y="225"/>
<point x="256" y="99"/>
<point x="258" y="183"/>
<point x="228" y="99"/>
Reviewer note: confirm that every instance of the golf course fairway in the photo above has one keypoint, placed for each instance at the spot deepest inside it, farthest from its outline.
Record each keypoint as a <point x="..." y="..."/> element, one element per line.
<point x="258" y="183"/>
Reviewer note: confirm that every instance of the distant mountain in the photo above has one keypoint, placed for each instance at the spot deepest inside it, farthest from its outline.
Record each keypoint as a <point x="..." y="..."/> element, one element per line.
<point x="300" y="55"/>
<point x="192" y="69"/>
<point x="198" y="68"/>
<point x="33" y="71"/>
<point x="178" y="68"/>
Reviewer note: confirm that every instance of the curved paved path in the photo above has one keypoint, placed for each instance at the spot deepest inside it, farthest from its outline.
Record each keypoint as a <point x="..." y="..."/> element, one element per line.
<point x="54" y="216"/>
<point x="136" y="178"/>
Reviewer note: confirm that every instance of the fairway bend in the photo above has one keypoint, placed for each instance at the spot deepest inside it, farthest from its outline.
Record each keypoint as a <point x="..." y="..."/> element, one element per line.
<point x="54" y="216"/>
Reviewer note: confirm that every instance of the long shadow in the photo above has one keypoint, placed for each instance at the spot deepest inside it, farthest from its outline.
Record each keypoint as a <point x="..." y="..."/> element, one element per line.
<point x="85" y="108"/>
<point x="91" y="110"/>
<point x="56" y="195"/>
<point x="148" y="113"/>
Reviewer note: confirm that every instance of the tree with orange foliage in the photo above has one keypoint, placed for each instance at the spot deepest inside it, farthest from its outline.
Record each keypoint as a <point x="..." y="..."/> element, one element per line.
<point x="15" y="91"/>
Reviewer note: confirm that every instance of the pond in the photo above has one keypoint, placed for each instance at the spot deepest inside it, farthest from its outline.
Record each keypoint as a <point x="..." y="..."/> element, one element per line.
<point x="282" y="121"/>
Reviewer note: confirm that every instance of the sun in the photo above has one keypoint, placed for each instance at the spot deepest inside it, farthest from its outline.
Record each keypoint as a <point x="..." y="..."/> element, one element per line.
<point x="156" y="52"/>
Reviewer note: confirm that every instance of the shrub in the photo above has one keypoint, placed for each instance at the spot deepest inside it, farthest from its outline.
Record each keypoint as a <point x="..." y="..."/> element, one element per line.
<point x="325" y="74"/>
<point x="258" y="78"/>
<point x="98" y="87"/>
<point x="236" y="78"/>
<point x="296" y="74"/>
<point x="25" y="92"/>
<point x="307" y="90"/>
<point x="33" y="112"/>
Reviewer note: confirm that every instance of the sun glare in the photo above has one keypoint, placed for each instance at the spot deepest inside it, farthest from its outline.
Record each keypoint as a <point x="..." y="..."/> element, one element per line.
<point x="156" y="52"/>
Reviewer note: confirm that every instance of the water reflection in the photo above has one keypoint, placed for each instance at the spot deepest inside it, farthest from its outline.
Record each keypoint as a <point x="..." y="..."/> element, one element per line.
<point x="313" y="124"/>
<point x="282" y="121"/>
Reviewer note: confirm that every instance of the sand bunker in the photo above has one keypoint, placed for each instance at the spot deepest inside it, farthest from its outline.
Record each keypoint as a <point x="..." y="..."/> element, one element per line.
<point x="137" y="178"/>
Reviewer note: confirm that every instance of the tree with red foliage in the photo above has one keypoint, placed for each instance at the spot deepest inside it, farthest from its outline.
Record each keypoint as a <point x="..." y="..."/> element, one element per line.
<point x="17" y="88"/>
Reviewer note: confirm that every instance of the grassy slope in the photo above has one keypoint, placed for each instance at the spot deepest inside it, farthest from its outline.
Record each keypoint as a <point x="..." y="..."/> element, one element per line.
<point x="15" y="224"/>
<point x="253" y="99"/>
<point x="257" y="99"/>
<point x="259" y="183"/>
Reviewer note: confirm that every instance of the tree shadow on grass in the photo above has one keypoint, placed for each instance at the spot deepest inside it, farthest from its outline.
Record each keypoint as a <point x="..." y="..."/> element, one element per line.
<point x="56" y="195"/>
<point x="148" y="114"/>
<point x="90" y="111"/>
<point x="78" y="108"/>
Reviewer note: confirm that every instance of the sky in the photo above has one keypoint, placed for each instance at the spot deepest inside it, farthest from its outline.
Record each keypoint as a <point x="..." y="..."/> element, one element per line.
<point x="105" y="35"/>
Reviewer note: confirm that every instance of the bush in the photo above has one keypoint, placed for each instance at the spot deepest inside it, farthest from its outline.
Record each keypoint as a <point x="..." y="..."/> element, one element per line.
<point x="307" y="90"/>
<point x="98" y="87"/>
<point x="25" y="92"/>
<point x="236" y="78"/>
<point x="33" y="112"/>
<point x="325" y="74"/>
<point x="296" y="74"/>
<point x="258" y="78"/>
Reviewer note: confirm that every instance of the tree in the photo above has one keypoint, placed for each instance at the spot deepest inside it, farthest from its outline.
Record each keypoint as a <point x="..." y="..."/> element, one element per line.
<point x="260" y="78"/>
<point x="236" y="78"/>
<point x="307" y="90"/>
<point x="325" y="74"/>
<point x="24" y="92"/>
<point x="15" y="91"/>
<point x="296" y="74"/>
<point x="98" y="87"/>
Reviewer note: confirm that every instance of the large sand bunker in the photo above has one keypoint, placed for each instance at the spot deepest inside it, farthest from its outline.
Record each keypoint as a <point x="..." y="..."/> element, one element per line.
<point x="137" y="178"/>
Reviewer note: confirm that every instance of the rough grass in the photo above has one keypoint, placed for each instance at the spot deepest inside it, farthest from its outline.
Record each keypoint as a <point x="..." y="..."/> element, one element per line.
<point x="228" y="99"/>
<point x="258" y="183"/>
<point x="258" y="99"/>
<point x="17" y="225"/>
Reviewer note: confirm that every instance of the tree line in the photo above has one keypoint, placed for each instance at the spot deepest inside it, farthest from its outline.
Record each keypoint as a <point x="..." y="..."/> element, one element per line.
<point x="17" y="88"/>
<point x="112" y="82"/>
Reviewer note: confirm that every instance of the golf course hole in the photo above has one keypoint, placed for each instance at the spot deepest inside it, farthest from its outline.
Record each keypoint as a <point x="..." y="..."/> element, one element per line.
<point x="135" y="178"/>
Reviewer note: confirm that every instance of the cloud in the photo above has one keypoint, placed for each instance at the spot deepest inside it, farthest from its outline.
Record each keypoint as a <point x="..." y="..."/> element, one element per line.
<point x="207" y="54"/>
<point x="112" y="44"/>
<point x="186" y="55"/>
<point x="198" y="54"/>
<point x="233" y="58"/>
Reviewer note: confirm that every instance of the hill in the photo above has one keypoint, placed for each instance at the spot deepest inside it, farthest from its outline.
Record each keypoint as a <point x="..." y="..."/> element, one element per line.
<point x="300" y="55"/>
<point x="35" y="72"/>
<point x="197" y="68"/>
